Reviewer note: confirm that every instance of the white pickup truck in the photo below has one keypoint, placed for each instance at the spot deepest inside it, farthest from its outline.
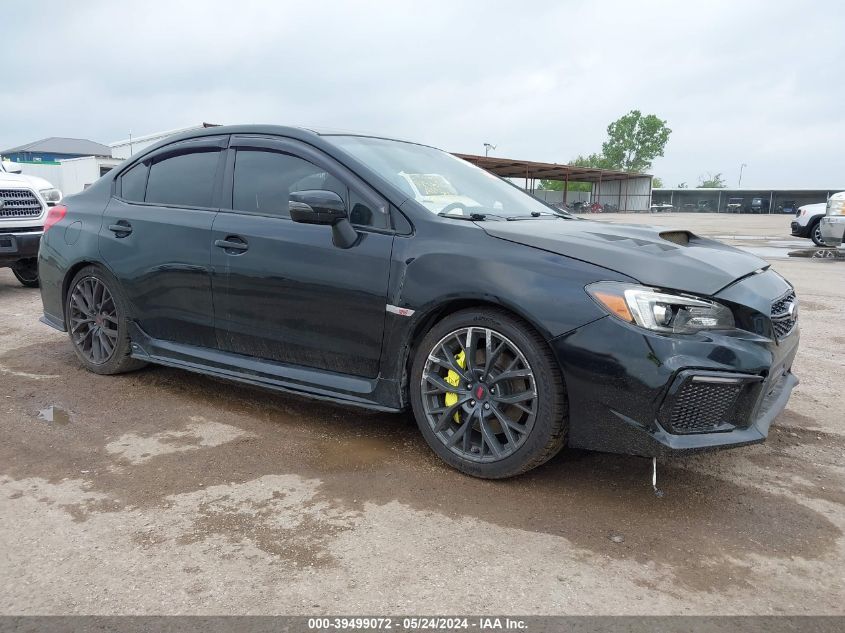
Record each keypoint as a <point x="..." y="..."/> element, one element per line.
<point x="833" y="223"/>
<point x="23" y="206"/>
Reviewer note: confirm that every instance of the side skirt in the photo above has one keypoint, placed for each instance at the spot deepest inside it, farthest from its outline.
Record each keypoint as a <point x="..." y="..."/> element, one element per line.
<point x="370" y="393"/>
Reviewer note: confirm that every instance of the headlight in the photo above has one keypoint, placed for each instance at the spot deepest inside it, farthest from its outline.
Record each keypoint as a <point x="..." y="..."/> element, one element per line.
<point x="835" y="207"/>
<point x="51" y="196"/>
<point x="659" y="311"/>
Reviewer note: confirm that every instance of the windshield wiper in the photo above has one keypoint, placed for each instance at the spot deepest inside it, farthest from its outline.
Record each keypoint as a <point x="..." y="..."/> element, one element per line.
<point x="538" y="214"/>
<point x="470" y="217"/>
<point x="474" y="216"/>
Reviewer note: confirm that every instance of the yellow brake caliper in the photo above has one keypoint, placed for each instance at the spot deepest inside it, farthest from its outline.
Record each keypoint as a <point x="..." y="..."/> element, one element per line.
<point x="454" y="379"/>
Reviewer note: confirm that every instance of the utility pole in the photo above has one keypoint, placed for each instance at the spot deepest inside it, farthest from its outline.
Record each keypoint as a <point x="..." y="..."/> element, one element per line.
<point x="487" y="148"/>
<point x="741" y="167"/>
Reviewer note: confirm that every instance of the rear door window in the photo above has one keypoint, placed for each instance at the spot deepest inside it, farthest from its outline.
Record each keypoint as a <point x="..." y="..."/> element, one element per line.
<point x="133" y="183"/>
<point x="185" y="180"/>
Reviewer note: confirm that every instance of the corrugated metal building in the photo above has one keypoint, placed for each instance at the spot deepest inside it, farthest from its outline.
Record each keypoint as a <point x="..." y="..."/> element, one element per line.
<point x="614" y="190"/>
<point x="717" y="200"/>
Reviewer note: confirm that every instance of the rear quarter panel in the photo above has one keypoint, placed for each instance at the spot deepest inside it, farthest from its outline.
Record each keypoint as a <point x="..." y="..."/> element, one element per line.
<point x="69" y="245"/>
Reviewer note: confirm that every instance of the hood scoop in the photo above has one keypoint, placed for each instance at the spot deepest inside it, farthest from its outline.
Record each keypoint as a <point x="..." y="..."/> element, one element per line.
<point x="682" y="238"/>
<point x="647" y="244"/>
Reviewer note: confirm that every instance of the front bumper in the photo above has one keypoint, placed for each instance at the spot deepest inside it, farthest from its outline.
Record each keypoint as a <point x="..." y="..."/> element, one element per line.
<point x="798" y="230"/>
<point x="639" y="392"/>
<point x="15" y="246"/>
<point x="832" y="229"/>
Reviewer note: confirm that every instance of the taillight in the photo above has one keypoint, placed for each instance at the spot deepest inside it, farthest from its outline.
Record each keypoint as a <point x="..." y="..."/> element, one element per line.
<point x="55" y="214"/>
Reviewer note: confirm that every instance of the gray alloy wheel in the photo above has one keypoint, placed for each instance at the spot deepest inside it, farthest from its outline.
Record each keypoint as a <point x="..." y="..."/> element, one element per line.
<point x="95" y="317"/>
<point x="93" y="320"/>
<point x="489" y="413"/>
<point x="488" y="394"/>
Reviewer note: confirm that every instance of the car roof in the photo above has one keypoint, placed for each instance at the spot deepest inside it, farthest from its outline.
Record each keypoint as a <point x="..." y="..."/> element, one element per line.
<point x="301" y="133"/>
<point x="317" y="139"/>
<point x="312" y="136"/>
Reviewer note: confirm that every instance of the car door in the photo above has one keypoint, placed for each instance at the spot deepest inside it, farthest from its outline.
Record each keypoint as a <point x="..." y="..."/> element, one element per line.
<point x="282" y="290"/>
<point x="156" y="238"/>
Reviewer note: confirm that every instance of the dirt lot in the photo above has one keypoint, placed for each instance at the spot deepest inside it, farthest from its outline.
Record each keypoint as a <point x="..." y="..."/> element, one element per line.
<point x="166" y="492"/>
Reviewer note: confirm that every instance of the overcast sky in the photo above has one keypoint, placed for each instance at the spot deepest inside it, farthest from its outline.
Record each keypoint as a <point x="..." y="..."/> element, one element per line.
<point x="761" y="83"/>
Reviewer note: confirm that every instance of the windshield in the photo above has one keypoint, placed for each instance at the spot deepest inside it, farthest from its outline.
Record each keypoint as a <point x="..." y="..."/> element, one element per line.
<point x="441" y="182"/>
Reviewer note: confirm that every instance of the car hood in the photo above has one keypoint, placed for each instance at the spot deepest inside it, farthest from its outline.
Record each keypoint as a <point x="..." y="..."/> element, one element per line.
<point x="817" y="208"/>
<point x="657" y="256"/>
<point x="20" y="181"/>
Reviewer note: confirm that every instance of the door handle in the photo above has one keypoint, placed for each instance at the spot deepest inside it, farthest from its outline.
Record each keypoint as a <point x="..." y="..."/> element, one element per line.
<point x="232" y="245"/>
<point x="121" y="229"/>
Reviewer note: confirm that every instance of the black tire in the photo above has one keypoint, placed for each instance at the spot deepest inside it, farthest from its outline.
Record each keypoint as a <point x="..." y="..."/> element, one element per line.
<point x="118" y="361"/>
<point x="546" y="436"/>
<point x="815" y="233"/>
<point x="26" y="272"/>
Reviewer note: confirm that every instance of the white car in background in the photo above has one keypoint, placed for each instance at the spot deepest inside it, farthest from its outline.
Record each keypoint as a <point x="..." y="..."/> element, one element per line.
<point x="832" y="225"/>
<point x="807" y="222"/>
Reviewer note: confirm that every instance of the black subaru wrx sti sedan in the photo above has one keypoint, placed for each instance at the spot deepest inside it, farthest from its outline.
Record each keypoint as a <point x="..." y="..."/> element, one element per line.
<point x="388" y="274"/>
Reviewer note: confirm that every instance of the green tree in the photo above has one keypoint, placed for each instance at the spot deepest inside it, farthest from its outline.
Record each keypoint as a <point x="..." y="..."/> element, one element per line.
<point x="596" y="161"/>
<point x="711" y="181"/>
<point x="558" y="185"/>
<point x="656" y="183"/>
<point x="634" y="141"/>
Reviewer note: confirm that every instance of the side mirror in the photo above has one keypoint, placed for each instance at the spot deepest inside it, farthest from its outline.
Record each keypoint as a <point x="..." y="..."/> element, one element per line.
<point x="11" y="168"/>
<point x="317" y="206"/>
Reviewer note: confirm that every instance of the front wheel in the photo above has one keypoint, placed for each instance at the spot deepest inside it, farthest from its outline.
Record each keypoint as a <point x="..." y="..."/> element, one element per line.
<point x="816" y="234"/>
<point x="26" y="272"/>
<point x="488" y="395"/>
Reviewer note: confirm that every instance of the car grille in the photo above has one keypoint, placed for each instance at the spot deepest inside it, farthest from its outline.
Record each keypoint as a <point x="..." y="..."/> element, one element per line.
<point x="704" y="407"/>
<point x="783" y="322"/>
<point x="19" y="203"/>
<point x="20" y="229"/>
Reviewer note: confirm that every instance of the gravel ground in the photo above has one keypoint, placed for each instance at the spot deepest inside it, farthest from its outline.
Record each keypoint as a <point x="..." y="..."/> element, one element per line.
<point x="167" y="492"/>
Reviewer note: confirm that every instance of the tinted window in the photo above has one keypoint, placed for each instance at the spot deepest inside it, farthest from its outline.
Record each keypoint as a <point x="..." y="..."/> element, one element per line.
<point x="132" y="183"/>
<point x="364" y="213"/>
<point x="264" y="181"/>
<point x="185" y="180"/>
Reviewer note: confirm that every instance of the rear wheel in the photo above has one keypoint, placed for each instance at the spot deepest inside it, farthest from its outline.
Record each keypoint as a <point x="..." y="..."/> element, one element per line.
<point x="488" y="395"/>
<point x="26" y="272"/>
<point x="816" y="233"/>
<point x="96" y="317"/>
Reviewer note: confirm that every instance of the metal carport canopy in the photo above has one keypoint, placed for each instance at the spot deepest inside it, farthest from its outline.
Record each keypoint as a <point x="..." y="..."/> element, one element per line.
<point x="529" y="169"/>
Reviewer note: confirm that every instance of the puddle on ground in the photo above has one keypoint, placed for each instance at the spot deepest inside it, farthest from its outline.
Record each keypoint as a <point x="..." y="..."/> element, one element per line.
<point x="777" y="249"/>
<point x="764" y="246"/>
<point x="358" y="453"/>
<point x="819" y="253"/>
<point x="54" y="415"/>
